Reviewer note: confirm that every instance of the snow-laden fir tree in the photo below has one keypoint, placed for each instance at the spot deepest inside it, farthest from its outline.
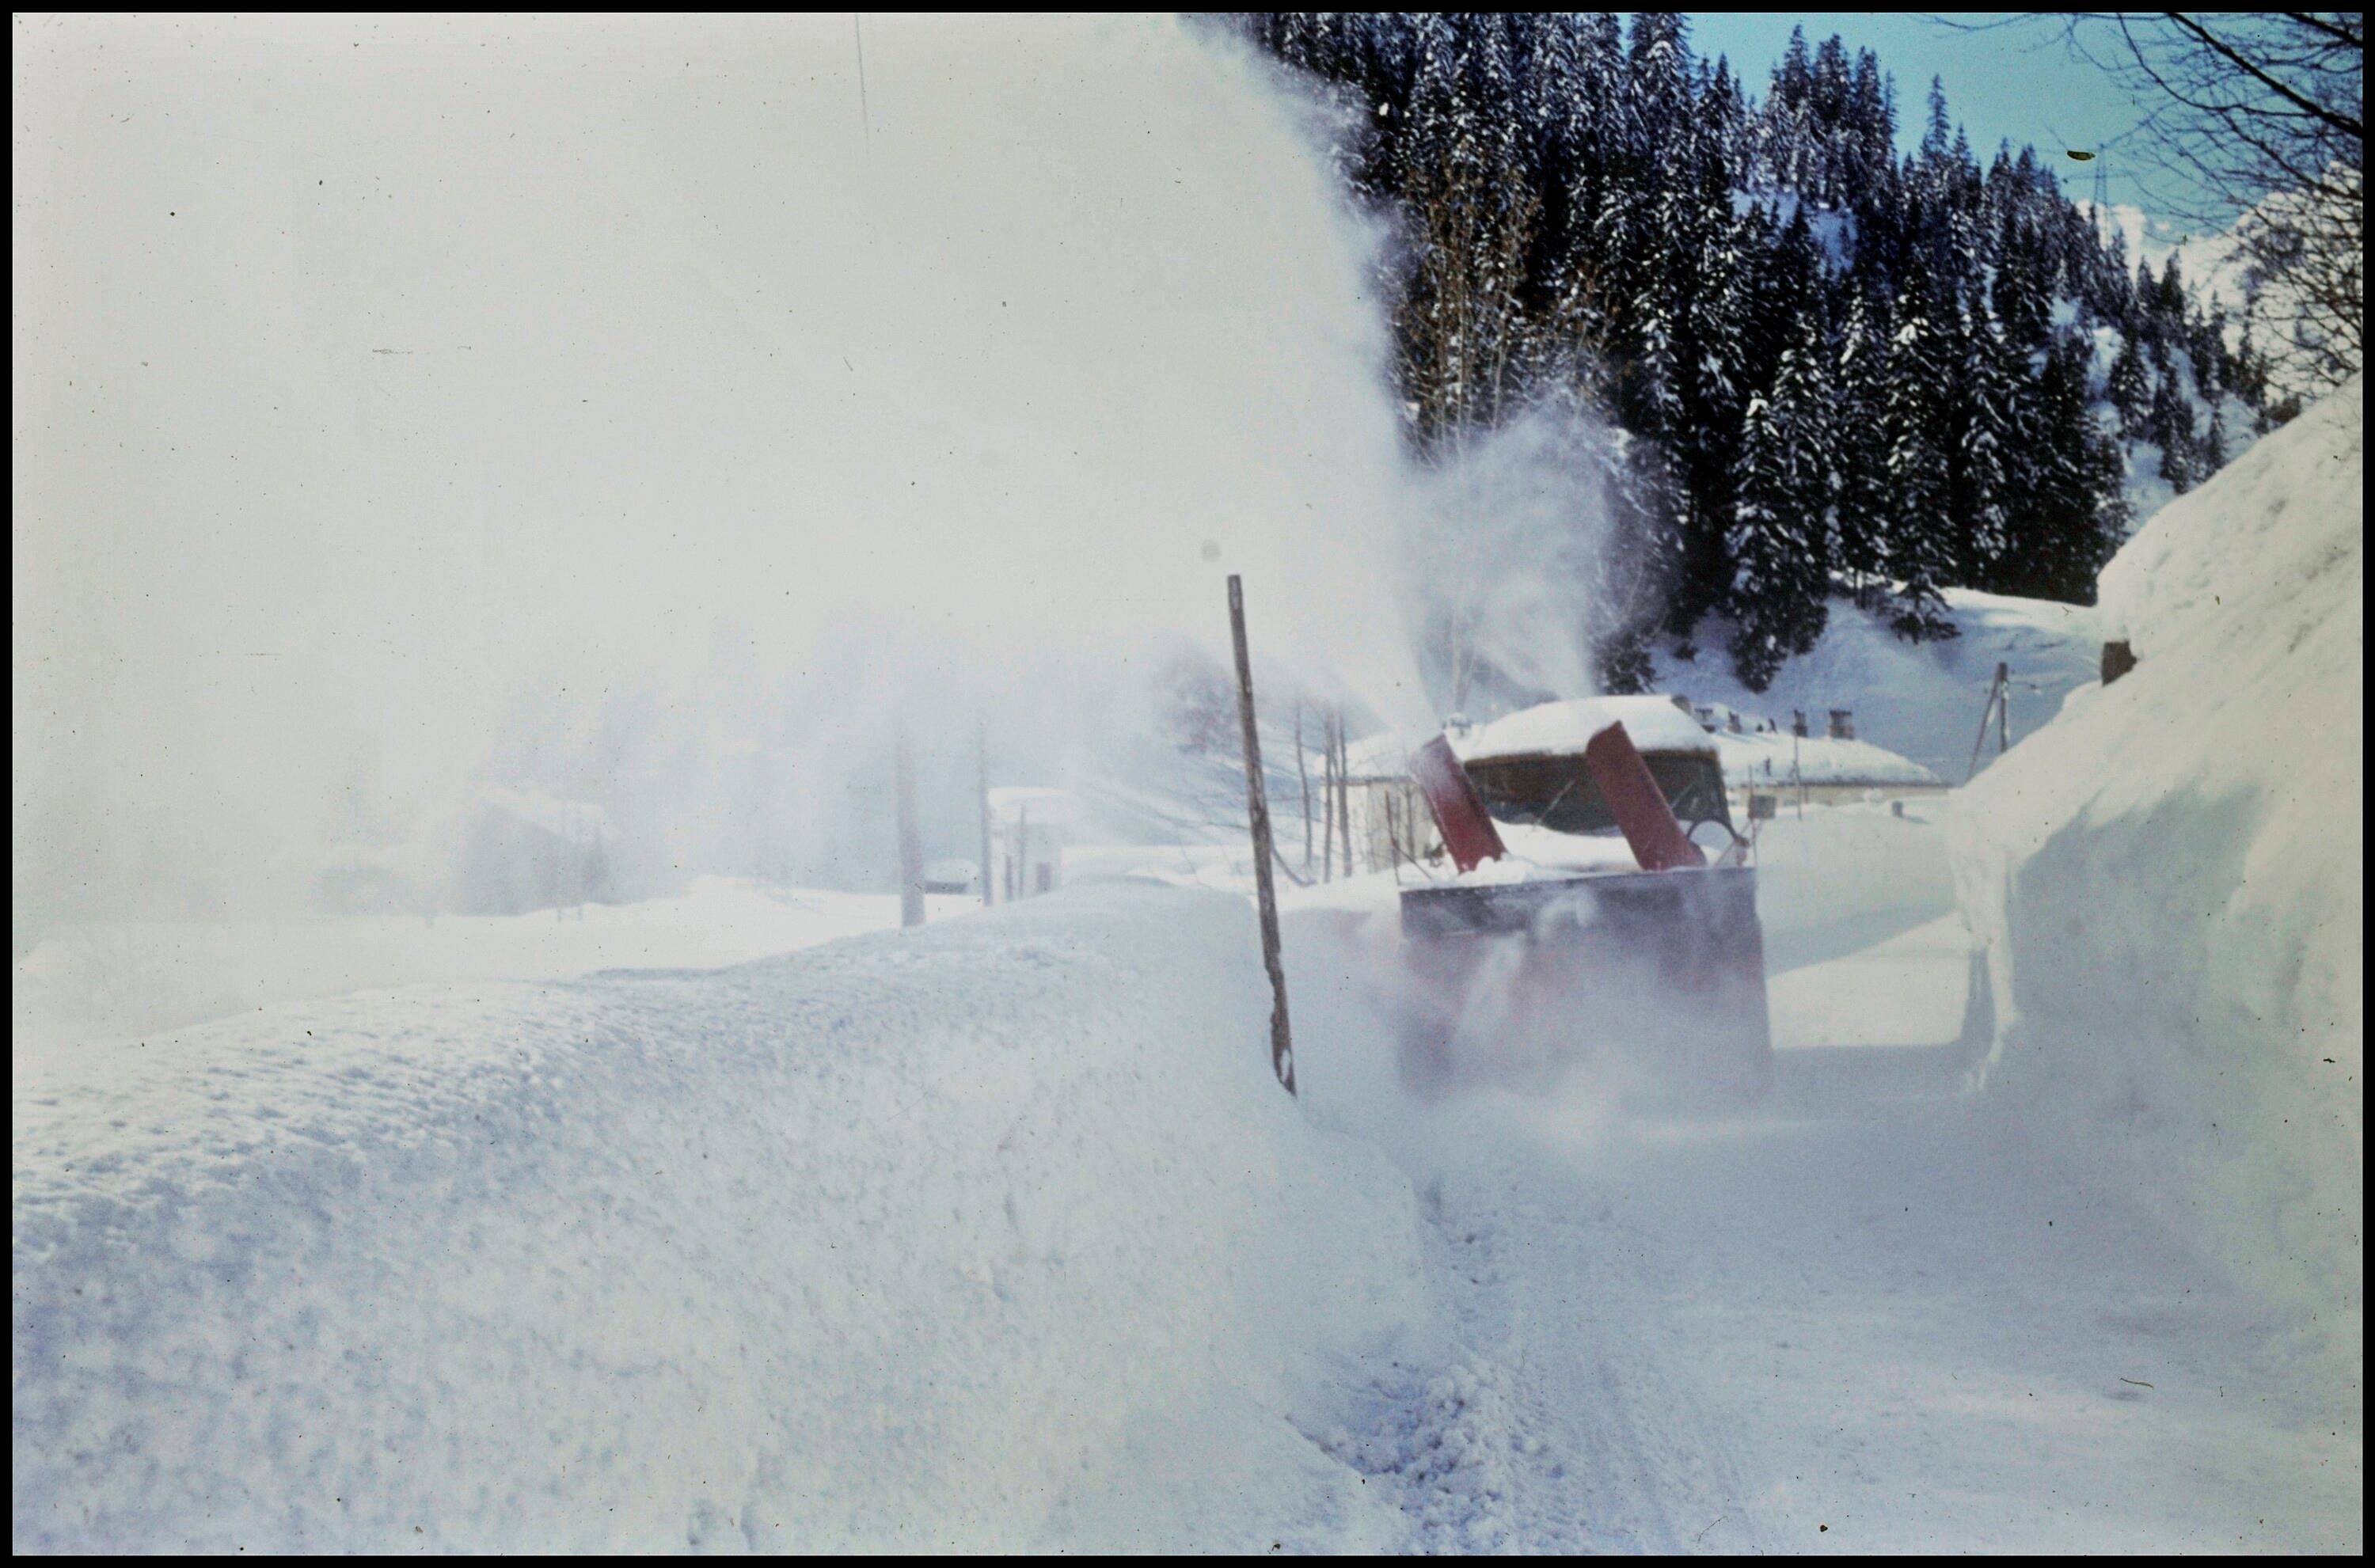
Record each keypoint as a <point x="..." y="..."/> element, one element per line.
<point x="1781" y="514"/>
<point x="1988" y="390"/>
<point x="2130" y="390"/>
<point x="1917" y="546"/>
<point x="2170" y="424"/>
<point x="1865" y="503"/>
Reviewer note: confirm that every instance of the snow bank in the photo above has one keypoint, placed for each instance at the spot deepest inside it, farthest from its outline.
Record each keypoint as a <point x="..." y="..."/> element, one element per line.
<point x="1834" y="879"/>
<point x="987" y="1235"/>
<point x="120" y="979"/>
<point x="2170" y="875"/>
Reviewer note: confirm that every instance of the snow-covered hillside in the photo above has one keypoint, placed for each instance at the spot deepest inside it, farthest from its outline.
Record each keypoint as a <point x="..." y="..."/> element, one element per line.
<point x="979" y="1236"/>
<point x="2171" y="877"/>
<point x="2275" y="311"/>
<point x="1921" y="700"/>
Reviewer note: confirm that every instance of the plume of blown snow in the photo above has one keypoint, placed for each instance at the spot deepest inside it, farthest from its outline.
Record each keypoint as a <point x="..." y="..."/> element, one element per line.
<point x="627" y="410"/>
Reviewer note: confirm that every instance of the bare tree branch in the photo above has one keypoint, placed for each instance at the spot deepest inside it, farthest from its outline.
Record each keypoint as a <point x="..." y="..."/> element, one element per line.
<point x="2346" y="125"/>
<point x="2260" y="113"/>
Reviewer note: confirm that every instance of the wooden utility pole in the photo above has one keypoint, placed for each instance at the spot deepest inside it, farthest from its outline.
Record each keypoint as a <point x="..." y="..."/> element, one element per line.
<point x="1344" y="790"/>
<point x="911" y="844"/>
<point x="1282" y="1044"/>
<point x="981" y="783"/>
<point x="1998" y="708"/>
<point x="1327" y="800"/>
<point x="1303" y="776"/>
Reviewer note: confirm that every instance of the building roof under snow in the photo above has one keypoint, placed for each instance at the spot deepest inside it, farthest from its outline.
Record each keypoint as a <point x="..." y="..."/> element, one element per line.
<point x="1777" y="757"/>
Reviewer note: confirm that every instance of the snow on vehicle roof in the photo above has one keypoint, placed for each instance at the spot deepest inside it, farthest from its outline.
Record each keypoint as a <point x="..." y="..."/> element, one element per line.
<point x="1654" y="723"/>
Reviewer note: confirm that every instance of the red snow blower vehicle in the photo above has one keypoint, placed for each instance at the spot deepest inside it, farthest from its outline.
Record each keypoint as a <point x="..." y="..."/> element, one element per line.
<point x="1620" y="940"/>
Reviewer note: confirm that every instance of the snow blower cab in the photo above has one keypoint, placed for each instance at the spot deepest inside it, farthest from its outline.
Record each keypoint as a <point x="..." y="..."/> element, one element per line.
<point x="1596" y="915"/>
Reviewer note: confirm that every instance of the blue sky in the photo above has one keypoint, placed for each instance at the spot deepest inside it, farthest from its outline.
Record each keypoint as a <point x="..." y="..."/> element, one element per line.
<point x="2016" y="84"/>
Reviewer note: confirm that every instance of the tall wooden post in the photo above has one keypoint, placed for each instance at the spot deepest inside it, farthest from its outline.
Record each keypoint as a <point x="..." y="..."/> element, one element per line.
<point x="1327" y="800"/>
<point x="1999" y="695"/>
<point x="1282" y="1046"/>
<point x="2003" y="709"/>
<point x="1303" y="776"/>
<point x="981" y="782"/>
<point x="911" y="846"/>
<point x="1344" y="791"/>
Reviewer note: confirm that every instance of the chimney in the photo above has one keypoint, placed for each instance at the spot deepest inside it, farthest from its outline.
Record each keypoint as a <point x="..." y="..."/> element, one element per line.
<point x="1842" y="724"/>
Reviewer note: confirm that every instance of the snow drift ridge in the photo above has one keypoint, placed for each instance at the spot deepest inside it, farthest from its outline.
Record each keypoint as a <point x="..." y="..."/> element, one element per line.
<point x="923" y="1241"/>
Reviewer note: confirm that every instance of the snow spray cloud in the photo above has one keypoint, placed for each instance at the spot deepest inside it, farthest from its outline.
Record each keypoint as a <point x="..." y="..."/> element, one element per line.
<point x="405" y="404"/>
<point x="1511" y="556"/>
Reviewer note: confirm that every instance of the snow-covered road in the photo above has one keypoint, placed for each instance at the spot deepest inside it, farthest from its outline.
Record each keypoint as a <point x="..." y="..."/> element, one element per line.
<point x="1867" y="1317"/>
<point x="1878" y="1327"/>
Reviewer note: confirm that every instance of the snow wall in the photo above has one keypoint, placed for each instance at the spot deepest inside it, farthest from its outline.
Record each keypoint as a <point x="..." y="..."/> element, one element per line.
<point x="2171" y="877"/>
<point x="935" y="1240"/>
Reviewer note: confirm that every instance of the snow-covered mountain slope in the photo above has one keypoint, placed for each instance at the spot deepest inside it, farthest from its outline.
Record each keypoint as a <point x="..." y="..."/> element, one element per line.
<point x="1921" y="701"/>
<point x="2282" y="320"/>
<point x="977" y="1236"/>
<point x="2170" y="875"/>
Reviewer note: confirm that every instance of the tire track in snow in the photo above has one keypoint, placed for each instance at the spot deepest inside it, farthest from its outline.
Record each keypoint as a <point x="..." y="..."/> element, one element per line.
<point x="1665" y="1472"/>
<point x="1446" y="1427"/>
<point x="1539" y="1424"/>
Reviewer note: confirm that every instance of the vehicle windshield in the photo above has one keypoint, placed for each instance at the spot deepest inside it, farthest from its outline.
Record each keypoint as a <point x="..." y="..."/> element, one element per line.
<point x="1557" y="792"/>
